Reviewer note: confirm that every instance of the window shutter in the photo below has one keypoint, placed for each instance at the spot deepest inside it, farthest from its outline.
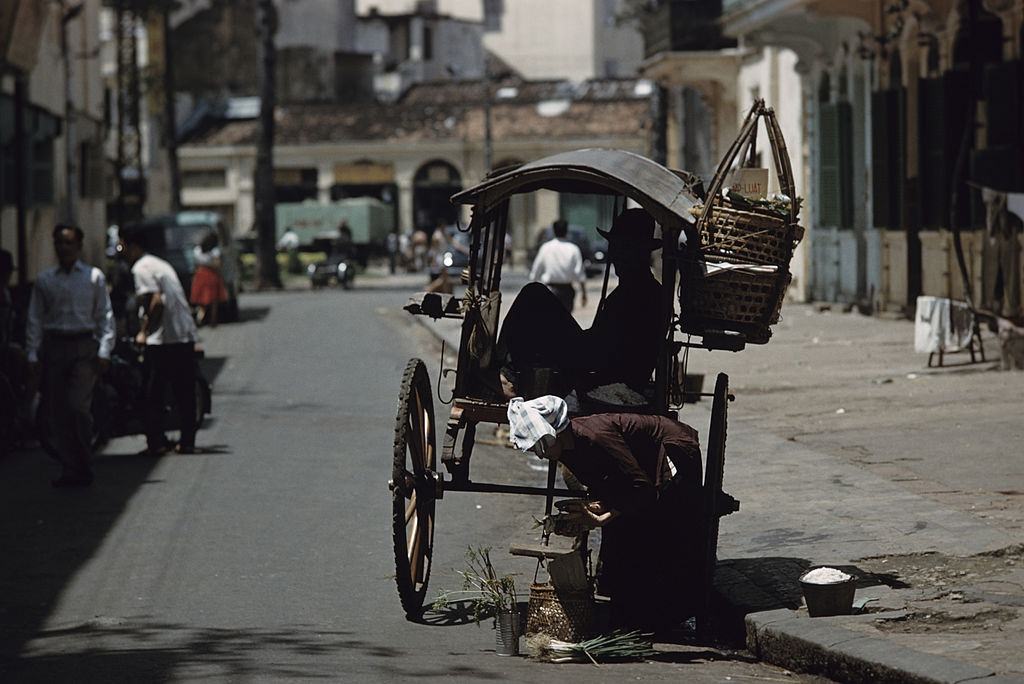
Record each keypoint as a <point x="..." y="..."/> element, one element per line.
<point x="935" y="168"/>
<point x="829" y="203"/>
<point x="844" y="140"/>
<point x="881" y="170"/>
<point x="957" y="84"/>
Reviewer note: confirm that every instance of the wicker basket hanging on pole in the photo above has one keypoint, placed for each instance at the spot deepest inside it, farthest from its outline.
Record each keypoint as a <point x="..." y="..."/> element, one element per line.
<point x="736" y="277"/>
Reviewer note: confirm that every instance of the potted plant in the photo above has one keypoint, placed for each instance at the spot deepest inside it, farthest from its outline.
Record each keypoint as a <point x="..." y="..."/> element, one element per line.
<point x="489" y="595"/>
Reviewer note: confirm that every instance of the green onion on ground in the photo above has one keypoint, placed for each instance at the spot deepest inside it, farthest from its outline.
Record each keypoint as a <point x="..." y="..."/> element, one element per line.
<point x="616" y="646"/>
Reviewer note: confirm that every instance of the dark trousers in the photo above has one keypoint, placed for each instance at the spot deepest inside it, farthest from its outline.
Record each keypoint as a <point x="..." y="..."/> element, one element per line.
<point x="538" y="330"/>
<point x="650" y="564"/>
<point x="174" y="366"/>
<point x="69" y="377"/>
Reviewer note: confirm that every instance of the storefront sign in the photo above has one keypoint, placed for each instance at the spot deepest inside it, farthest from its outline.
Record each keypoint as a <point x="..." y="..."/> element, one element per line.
<point x="363" y="173"/>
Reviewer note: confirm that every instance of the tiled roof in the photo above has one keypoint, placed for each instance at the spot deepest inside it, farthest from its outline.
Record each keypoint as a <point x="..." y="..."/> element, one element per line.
<point x="452" y="111"/>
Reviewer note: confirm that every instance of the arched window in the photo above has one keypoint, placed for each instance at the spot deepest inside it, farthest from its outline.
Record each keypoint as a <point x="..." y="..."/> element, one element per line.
<point x="432" y="187"/>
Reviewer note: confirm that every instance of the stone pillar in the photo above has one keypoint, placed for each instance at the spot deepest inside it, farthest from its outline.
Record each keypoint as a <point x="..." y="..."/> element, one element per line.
<point x="324" y="181"/>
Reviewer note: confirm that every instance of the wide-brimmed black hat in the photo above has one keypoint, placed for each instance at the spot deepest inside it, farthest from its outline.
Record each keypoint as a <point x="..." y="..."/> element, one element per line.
<point x="632" y="229"/>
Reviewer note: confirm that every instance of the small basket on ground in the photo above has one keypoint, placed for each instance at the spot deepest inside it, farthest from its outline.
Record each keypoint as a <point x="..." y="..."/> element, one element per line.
<point x="563" y="615"/>
<point x="735" y="276"/>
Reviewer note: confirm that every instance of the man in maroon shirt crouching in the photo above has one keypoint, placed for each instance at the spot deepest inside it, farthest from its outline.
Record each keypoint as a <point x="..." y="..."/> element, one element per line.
<point x="643" y="474"/>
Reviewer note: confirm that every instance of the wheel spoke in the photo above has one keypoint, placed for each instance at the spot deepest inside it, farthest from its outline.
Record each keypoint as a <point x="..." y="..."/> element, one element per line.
<point x="414" y="550"/>
<point x="410" y="508"/>
<point x="422" y="541"/>
<point x="413" y="445"/>
<point x="428" y="448"/>
<point x="421" y="429"/>
<point x="415" y="441"/>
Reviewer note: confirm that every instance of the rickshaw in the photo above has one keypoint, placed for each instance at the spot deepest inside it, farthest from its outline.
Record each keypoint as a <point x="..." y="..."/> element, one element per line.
<point x="417" y="483"/>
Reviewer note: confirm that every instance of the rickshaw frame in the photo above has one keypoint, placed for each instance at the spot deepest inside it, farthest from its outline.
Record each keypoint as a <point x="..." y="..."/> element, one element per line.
<point x="665" y="194"/>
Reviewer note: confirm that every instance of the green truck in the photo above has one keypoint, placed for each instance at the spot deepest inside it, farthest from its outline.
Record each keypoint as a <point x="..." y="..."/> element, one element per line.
<point x="316" y="225"/>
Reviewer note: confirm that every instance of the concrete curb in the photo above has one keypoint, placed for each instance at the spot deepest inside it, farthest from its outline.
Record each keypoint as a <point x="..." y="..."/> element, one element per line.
<point x="818" y="646"/>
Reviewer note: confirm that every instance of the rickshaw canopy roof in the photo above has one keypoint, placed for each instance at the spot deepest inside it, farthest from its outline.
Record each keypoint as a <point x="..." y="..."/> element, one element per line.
<point x="658" y="190"/>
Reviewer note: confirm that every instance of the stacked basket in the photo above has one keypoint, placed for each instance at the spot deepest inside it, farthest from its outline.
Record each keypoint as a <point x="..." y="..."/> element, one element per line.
<point x="563" y="615"/>
<point x="736" y="277"/>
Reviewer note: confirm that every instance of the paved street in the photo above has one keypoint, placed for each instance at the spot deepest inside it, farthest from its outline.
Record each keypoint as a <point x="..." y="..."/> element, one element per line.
<point x="269" y="555"/>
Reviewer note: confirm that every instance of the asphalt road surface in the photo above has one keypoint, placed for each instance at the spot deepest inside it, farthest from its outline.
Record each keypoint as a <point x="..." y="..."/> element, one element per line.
<point x="268" y="556"/>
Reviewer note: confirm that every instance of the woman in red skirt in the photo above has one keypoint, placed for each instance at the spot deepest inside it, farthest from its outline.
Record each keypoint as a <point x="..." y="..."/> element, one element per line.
<point x="208" y="289"/>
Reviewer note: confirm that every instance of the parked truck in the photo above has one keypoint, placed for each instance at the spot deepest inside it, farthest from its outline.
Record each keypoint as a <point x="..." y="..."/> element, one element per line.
<point x="316" y="224"/>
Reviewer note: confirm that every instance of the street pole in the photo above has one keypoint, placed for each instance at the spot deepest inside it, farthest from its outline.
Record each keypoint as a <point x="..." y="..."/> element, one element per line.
<point x="170" y="115"/>
<point x="266" y="238"/>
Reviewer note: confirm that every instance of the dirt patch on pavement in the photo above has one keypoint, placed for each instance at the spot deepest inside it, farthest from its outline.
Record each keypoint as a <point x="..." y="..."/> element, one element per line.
<point x="952" y="594"/>
<point x="939" y="572"/>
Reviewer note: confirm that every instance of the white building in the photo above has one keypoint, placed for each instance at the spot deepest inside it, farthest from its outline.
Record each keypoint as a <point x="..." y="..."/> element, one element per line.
<point x="541" y="39"/>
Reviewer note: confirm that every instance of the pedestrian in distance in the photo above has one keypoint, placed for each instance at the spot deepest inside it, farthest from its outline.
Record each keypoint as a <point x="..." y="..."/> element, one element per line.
<point x="168" y="334"/>
<point x="69" y="336"/>
<point x="208" y="289"/>
<point x="289" y="243"/>
<point x="559" y="266"/>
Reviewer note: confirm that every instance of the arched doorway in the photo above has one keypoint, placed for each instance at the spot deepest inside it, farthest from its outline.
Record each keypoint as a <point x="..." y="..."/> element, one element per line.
<point x="432" y="187"/>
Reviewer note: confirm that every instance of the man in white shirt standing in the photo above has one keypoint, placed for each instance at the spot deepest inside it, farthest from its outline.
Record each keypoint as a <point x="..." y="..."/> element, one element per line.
<point x="559" y="266"/>
<point x="169" y="335"/>
<point x="70" y="333"/>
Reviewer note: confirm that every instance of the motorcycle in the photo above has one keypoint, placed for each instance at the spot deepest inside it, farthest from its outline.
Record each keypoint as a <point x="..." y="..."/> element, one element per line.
<point x="118" y="406"/>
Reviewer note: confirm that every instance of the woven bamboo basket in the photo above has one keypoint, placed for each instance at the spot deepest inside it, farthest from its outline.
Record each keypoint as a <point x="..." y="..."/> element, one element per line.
<point x="568" y="616"/>
<point x="740" y="301"/>
<point x="751" y="237"/>
<point x="748" y="302"/>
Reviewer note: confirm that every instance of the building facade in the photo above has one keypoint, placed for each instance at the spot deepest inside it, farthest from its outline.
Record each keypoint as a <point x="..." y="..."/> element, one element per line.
<point x="539" y="39"/>
<point x="51" y="73"/>
<point x="415" y="153"/>
<point x="914" y="132"/>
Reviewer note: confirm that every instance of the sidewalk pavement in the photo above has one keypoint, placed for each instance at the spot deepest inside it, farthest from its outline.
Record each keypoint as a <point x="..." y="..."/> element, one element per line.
<point x="844" y="450"/>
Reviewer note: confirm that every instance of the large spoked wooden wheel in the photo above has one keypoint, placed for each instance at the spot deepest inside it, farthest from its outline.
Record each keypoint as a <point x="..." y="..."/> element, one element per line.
<point x="712" y="499"/>
<point x="413" y="487"/>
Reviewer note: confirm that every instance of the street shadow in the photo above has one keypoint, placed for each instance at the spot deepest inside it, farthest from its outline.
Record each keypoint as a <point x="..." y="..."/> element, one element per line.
<point x="48" y="534"/>
<point x="453" y="614"/>
<point x="248" y="314"/>
<point x="211" y="367"/>
<point x="146" y="650"/>
<point x="701" y="655"/>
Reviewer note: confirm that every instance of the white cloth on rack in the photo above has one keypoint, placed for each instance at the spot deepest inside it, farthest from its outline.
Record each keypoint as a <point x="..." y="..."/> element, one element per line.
<point x="717" y="267"/>
<point x="942" y="324"/>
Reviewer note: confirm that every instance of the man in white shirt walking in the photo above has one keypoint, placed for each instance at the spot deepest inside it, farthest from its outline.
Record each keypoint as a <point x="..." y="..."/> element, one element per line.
<point x="559" y="266"/>
<point x="70" y="333"/>
<point x="169" y="334"/>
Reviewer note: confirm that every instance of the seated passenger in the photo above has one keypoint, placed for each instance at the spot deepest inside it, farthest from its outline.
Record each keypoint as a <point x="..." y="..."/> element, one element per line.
<point x="648" y="550"/>
<point x="623" y="343"/>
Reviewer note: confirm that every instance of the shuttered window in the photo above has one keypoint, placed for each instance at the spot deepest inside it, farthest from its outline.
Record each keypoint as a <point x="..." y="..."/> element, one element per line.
<point x="886" y="158"/>
<point x="935" y="166"/>
<point x="835" y="165"/>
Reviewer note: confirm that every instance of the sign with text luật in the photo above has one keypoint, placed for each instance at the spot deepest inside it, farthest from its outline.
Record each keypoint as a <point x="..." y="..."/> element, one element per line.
<point x="749" y="183"/>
